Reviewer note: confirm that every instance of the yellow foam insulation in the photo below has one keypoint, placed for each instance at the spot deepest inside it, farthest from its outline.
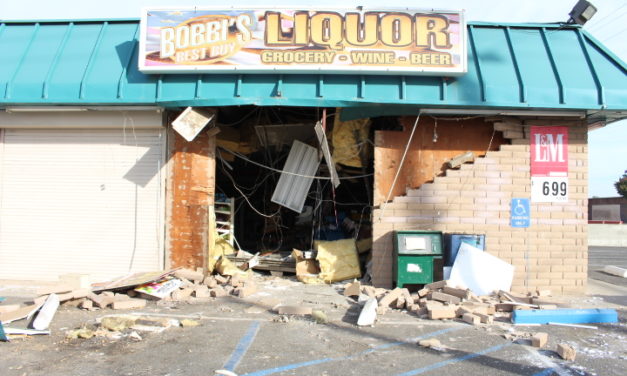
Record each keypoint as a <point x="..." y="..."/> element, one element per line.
<point x="224" y="266"/>
<point x="350" y="140"/>
<point x="221" y="248"/>
<point x="338" y="260"/>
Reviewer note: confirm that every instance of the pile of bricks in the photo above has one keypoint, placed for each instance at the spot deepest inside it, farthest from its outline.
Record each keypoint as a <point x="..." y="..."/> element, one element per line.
<point x="440" y="300"/>
<point x="195" y="286"/>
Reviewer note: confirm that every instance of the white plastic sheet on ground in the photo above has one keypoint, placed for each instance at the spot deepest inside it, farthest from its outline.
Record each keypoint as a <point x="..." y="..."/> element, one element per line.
<point x="481" y="272"/>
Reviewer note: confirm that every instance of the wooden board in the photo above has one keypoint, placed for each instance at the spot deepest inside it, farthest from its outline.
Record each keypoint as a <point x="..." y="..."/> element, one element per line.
<point x="426" y="159"/>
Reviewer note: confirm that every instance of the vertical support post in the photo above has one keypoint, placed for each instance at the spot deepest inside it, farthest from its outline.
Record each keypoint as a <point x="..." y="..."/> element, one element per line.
<point x="211" y="184"/>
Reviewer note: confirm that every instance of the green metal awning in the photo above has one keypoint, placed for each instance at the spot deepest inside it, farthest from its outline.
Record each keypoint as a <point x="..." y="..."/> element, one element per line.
<point x="542" y="67"/>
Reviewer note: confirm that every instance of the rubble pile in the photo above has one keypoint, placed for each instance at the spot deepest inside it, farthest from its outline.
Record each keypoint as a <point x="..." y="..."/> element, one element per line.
<point x="440" y="300"/>
<point x="130" y="292"/>
<point x="182" y="285"/>
<point x="120" y="326"/>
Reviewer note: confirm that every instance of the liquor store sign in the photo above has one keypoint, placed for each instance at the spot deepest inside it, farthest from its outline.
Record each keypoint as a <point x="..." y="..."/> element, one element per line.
<point x="292" y="40"/>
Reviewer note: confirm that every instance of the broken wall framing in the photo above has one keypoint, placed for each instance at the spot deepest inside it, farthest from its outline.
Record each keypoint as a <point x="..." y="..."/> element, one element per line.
<point x="435" y="142"/>
<point x="190" y="195"/>
<point x="551" y="254"/>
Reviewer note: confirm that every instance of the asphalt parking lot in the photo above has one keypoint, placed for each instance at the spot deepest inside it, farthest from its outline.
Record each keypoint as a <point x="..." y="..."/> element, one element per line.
<point x="598" y="257"/>
<point x="242" y="337"/>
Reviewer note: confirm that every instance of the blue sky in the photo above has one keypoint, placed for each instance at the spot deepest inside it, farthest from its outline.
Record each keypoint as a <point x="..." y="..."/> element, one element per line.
<point x="607" y="146"/>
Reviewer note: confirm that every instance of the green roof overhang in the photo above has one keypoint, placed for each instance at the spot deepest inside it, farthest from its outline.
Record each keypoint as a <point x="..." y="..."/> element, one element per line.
<point x="539" y="67"/>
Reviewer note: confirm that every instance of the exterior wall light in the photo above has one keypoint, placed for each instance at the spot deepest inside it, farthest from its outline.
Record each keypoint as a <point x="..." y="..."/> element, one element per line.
<point x="582" y="12"/>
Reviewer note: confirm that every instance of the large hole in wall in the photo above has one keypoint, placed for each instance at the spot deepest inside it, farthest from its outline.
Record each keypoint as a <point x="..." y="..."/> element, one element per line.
<point x="253" y="146"/>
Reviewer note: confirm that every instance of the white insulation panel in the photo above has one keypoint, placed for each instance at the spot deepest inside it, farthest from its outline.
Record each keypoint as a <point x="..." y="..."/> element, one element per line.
<point x="300" y="167"/>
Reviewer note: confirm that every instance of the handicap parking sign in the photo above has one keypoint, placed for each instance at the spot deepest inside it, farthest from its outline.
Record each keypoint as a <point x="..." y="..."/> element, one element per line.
<point x="521" y="213"/>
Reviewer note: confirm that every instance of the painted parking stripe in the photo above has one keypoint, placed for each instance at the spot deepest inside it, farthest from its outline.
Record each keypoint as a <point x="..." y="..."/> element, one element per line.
<point x="546" y="372"/>
<point x="454" y="360"/>
<point x="292" y="366"/>
<point x="242" y="346"/>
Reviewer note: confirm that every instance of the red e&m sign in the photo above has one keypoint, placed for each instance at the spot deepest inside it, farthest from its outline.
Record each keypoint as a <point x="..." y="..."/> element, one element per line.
<point x="549" y="164"/>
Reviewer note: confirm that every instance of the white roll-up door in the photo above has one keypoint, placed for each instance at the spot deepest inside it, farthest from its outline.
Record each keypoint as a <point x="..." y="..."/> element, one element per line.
<point x="81" y="201"/>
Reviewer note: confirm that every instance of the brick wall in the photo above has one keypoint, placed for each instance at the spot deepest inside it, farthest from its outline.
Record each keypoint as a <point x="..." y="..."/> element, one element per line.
<point x="476" y="199"/>
<point x="191" y="169"/>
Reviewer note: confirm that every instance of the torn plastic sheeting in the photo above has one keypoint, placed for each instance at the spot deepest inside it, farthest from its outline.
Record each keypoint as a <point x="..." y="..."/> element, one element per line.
<point x="338" y="260"/>
<point x="481" y="272"/>
<point x="564" y="316"/>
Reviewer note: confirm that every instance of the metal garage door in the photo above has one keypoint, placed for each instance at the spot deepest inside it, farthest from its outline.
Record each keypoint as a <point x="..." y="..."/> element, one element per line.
<point x="80" y="201"/>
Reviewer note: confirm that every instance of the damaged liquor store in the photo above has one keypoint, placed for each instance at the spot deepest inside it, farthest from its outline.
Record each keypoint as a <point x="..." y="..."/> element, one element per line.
<point x="330" y="143"/>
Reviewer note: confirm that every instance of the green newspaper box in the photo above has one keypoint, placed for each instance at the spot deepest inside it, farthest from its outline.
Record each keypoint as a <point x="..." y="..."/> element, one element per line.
<point x="415" y="252"/>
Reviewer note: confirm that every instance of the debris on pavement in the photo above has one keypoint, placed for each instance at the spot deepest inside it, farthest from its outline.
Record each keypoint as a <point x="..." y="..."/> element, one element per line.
<point x="368" y="314"/>
<point x="564" y="315"/>
<point x="293" y="310"/>
<point x="566" y="352"/>
<point x="539" y="339"/>
<point x="46" y="312"/>
<point x="615" y="270"/>
<point x="187" y="323"/>
<point x="431" y="342"/>
<point x="480" y="271"/>
<point x="319" y="317"/>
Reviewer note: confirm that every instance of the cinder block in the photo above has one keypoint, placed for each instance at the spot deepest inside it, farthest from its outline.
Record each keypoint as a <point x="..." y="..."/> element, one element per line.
<point x="539" y="339"/>
<point x="129" y="304"/>
<point x="201" y="292"/>
<point x="436" y="285"/>
<point x="442" y="312"/>
<point x="446" y="298"/>
<point x="247" y="290"/>
<point x="485" y="319"/>
<point x="218" y="292"/>
<point x="567" y="352"/>
<point x="181" y="295"/>
<point x="471" y="319"/>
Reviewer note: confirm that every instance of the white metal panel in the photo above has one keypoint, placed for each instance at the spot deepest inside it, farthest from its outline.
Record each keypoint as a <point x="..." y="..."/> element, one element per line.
<point x="62" y="117"/>
<point x="300" y="167"/>
<point x="81" y="200"/>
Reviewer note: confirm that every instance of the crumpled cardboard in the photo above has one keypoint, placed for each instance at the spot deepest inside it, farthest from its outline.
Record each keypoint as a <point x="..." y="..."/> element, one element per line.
<point x="338" y="260"/>
<point x="307" y="270"/>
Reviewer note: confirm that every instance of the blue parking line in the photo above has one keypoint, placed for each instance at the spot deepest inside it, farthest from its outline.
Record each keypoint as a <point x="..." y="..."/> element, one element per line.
<point x="393" y="344"/>
<point x="546" y="372"/>
<point x="292" y="366"/>
<point x="242" y="346"/>
<point x="288" y="367"/>
<point x="454" y="360"/>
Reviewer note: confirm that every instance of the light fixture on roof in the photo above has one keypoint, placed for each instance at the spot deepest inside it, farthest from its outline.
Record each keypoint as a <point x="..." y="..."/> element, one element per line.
<point x="582" y="12"/>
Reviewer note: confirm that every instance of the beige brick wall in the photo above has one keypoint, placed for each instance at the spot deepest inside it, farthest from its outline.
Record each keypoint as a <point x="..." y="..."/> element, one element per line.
<point x="550" y="254"/>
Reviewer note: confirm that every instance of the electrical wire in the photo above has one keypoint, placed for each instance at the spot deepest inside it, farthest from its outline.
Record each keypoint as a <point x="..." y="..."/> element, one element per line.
<point x="615" y="35"/>
<point x="241" y="119"/>
<point x="598" y="24"/>
<point x="400" y="165"/>
<point x="224" y="171"/>
<point x="291" y="173"/>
